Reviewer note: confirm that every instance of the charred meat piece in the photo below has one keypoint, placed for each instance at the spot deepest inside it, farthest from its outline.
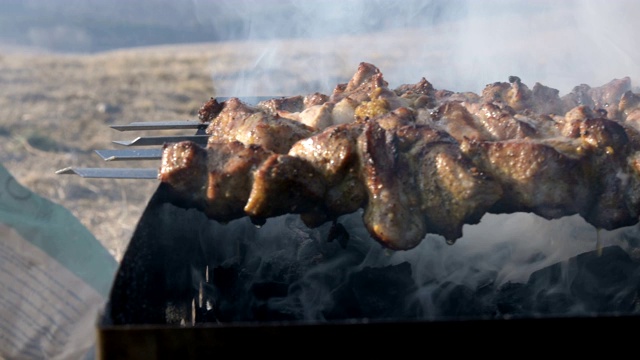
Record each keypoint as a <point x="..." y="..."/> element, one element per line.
<point x="315" y="99"/>
<point x="364" y="81"/>
<point x="312" y="110"/>
<point x="629" y="109"/>
<point x="217" y="180"/>
<point x="608" y="149"/>
<point x="209" y="110"/>
<point x="455" y="119"/>
<point x="290" y="104"/>
<point x="184" y="167"/>
<point x="452" y="191"/>
<point x="316" y="117"/>
<point x="608" y="96"/>
<point x="534" y="176"/>
<point x="284" y="184"/>
<point x="420" y="95"/>
<point x="392" y="212"/>
<point x="579" y="96"/>
<point x="546" y="100"/>
<point x="333" y="153"/>
<point x="250" y="126"/>
<point x="514" y="94"/>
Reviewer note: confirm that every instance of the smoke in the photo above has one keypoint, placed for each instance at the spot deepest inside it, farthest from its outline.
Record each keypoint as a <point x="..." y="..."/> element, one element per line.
<point x="457" y="45"/>
<point x="298" y="47"/>
<point x="283" y="270"/>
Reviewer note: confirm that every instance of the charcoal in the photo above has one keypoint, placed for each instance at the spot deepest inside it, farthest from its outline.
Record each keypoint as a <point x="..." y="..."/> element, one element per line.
<point x="510" y="299"/>
<point x="375" y="293"/>
<point x="590" y="283"/>
<point x="460" y="301"/>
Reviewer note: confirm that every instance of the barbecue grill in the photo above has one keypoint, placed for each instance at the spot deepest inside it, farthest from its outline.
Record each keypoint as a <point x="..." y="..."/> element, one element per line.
<point x="188" y="286"/>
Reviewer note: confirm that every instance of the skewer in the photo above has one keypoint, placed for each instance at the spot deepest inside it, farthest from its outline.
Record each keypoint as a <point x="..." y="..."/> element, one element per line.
<point x="149" y="154"/>
<point x="130" y="154"/>
<point x="110" y="173"/>
<point x="160" y="140"/>
<point x="161" y="125"/>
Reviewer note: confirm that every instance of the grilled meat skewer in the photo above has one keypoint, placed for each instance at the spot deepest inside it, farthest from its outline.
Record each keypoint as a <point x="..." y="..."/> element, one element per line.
<point x="416" y="159"/>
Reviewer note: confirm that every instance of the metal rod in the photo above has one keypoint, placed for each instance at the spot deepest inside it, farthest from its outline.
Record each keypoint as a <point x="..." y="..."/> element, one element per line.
<point x="161" y="125"/>
<point x="130" y="154"/>
<point x="110" y="173"/>
<point x="161" y="140"/>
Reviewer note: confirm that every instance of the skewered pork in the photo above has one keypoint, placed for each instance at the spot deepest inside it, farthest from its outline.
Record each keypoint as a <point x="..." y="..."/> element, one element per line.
<point x="417" y="160"/>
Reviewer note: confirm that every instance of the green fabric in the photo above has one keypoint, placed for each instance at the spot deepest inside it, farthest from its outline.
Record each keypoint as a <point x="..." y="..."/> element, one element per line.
<point x="57" y="232"/>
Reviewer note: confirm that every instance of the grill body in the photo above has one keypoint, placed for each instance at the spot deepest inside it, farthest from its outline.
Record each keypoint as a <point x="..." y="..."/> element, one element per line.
<point x="153" y="313"/>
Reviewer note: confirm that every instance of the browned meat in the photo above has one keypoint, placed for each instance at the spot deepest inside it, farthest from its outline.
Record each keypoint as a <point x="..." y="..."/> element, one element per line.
<point x="417" y="160"/>
<point x="455" y="119"/>
<point x="546" y="100"/>
<point x="240" y="122"/>
<point x="603" y="98"/>
<point x="315" y="99"/>
<point x="629" y="109"/>
<point x="317" y="117"/>
<point x="608" y="95"/>
<point x="579" y="96"/>
<point x="287" y="104"/>
<point x="608" y="148"/>
<point x="420" y="95"/>
<point x="569" y="125"/>
<point x="392" y="213"/>
<point x="333" y="153"/>
<point x="366" y="79"/>
<point x="209" y="110"/>
<point x="534" y="176"/>
<point x="218" y="180"/>
<point x="451" y="190"/>
<point x="284" y="184"/>
<point x="184" y="166"/>
<point x="514" y="94"/>
<point x="501" y="124"/>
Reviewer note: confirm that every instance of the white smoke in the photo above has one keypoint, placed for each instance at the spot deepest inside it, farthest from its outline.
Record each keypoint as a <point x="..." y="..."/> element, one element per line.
<point x="457" y="45"/>
<point x="298" y="47"/>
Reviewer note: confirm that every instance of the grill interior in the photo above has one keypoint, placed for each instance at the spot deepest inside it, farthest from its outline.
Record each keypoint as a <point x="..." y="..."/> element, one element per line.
<point x="179" y="292"/>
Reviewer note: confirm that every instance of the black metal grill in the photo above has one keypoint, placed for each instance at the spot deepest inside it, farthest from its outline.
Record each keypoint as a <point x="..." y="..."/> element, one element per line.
<point x="157" y="306"/>
<point x="183" y="289"/>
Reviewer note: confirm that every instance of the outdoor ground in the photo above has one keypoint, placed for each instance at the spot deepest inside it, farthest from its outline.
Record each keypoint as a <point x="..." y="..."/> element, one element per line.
<point x="56" y="110"/>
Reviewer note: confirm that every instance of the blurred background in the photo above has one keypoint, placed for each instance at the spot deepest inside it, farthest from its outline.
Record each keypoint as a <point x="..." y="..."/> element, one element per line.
<point x="547" y="41"/>
<point x="71" y="68"/>
<point x="98" y="25"/>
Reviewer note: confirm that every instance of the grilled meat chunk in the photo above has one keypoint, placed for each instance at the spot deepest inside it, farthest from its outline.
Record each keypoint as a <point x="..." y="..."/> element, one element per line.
<point x="451" y="190"/>
<point x="534" y="176"/>
<point x="218" y="180"/>
<point x="286" y="104"/>
<point x="239" y="122"/>
<point x="284" y="184"/>
<point x="455" y="119"/>
<point x="391" y="213"/>
<point x="333" y="153"/>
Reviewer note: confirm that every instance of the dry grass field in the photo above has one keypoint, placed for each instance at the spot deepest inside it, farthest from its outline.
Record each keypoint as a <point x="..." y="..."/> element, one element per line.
<point x="55" y="111"/>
